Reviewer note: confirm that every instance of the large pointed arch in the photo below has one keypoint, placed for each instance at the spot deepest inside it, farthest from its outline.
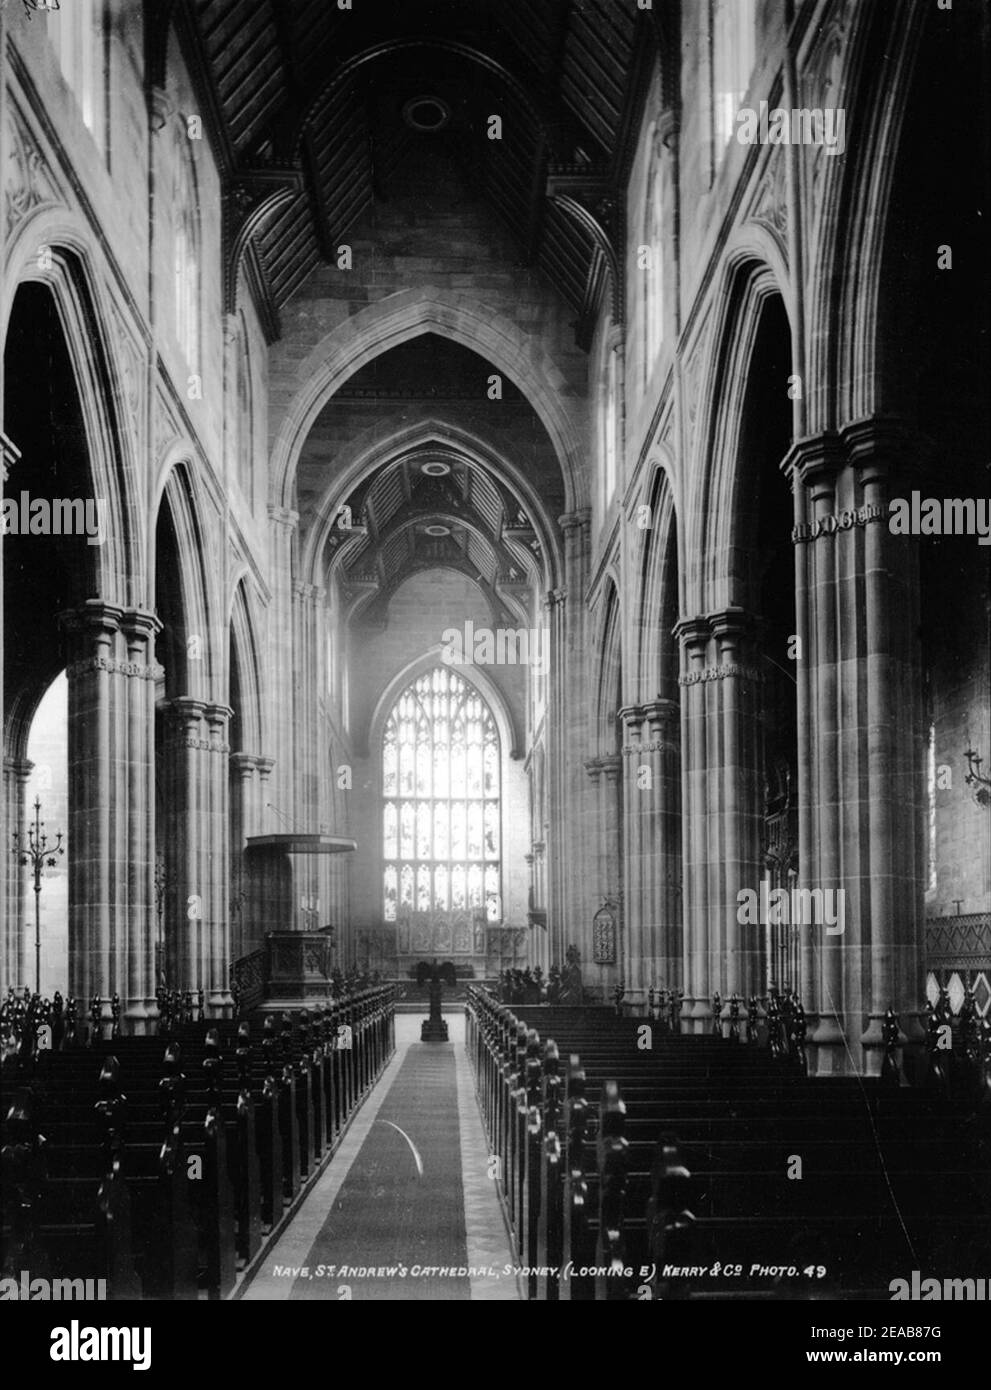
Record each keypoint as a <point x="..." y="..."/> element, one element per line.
<point x="247" y="677"/>
<point x="410" y="314"/>
<point x="364" y="458"/>
<point x="106" y="394"/>
<point x="653" y="648"/>
<point x="714" y="496"/>
<point x="193" y="650"/>
<point x="609" y="675"/>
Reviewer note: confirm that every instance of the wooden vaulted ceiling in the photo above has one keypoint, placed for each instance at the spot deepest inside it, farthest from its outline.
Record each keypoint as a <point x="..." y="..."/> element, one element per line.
<point x="407" y="519"/>
<point x="303" y="85"/>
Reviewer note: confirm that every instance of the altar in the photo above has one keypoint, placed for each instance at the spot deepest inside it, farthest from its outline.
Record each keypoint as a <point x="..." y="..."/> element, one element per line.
<point x="441" y="934"/>
<point x="479" y="949"/>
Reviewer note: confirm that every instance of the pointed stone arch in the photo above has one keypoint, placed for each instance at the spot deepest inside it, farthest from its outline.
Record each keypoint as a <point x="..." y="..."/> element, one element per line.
<point x="246" y="654"/>
<point x="410" y="314"/>
<point x="107" y="372"/>
<point x="658" y="550"/>
<point x="608" y="643"/>
<point x="711" y="503"/>
<point x="363" y="459"/>
<point x="200" y="663"/>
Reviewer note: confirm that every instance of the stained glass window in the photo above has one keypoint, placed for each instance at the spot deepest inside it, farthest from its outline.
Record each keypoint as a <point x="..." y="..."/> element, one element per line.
<point x="440" y="783"/>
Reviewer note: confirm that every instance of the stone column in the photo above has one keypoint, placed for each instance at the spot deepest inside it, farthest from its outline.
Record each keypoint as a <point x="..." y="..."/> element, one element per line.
<point x="738" y="949"/>
<point x="111" y="683"/>
<point x="186" y="842"/>
<point x="660" y="754"/>
<point x="594" y="865"/>
<point x="694" y="638"/>
<point x="310" y="758"/>
<point x="555" y="886"/>
<point x="814" y="467"/>
<point x="722" y="807"/>
<point x="96" y="843"/>
<point x="560" y="901"/>
<point x="243" y="777"/>
<point x="280" y="647"/>
<point x="138" y="629"/>
<point x="16" y="969"/>
<point x="607" y="876"/>
<point x="614" y="840"/>
<point x="637" y="792"/>
<point x="217" y="946"/>
<point x="571" y="802"/>
<point x="250" y="773"/>
<point x="861" y="740"/>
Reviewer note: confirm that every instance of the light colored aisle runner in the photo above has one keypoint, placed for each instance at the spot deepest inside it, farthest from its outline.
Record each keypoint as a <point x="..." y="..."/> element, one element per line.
<point x="407" y="1190"/>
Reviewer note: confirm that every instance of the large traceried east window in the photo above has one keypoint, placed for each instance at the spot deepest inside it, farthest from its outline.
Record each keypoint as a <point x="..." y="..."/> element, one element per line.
<point x="440" y="782"/>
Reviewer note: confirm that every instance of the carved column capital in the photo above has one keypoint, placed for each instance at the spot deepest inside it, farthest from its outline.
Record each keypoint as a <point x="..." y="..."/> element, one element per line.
<point x="632" y="717"/>
<point x="185" y="711"/>
<point x="814" y="461"/>
<point x="731" y="623"/>
<point x="881" y="447"/>
<point x="663" y="718"/>
<point x="93" y="616"/>
<point x="612" y="767"/>
<point x="693" y="633"/>
<point x="245" y="765"/>
<point x="139" y="626"/>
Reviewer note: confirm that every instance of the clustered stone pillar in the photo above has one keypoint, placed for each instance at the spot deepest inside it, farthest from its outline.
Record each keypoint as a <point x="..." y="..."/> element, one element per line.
<point x="249" y="792"/>
<point x="111" y="692"/>
<point x="550" y="889"/>
<point x="636" y="966"/>
<point x="196" y="847"/>
<point x="861" y="778"/>
<point x="280" y="647"/>
<point x="722" y="807"/>
<point x="652" y="898"/>
<point x="311" y="882"/>
<point x="606" y="774"/>
<point x="570" y="806"/>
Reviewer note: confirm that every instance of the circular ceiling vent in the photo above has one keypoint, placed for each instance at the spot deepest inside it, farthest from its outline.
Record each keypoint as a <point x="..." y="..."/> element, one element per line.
<point x="435" y="469"/>
<point x="426" y="114"/>
<point x="435" y="529"/>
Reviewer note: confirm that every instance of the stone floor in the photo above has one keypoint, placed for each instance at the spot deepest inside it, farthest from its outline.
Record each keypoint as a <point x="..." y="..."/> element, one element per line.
<point x="407" y="1190"/>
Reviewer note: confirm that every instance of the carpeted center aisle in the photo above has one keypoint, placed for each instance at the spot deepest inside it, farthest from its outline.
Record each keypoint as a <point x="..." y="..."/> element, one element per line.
<point x="388" y="1215"/>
